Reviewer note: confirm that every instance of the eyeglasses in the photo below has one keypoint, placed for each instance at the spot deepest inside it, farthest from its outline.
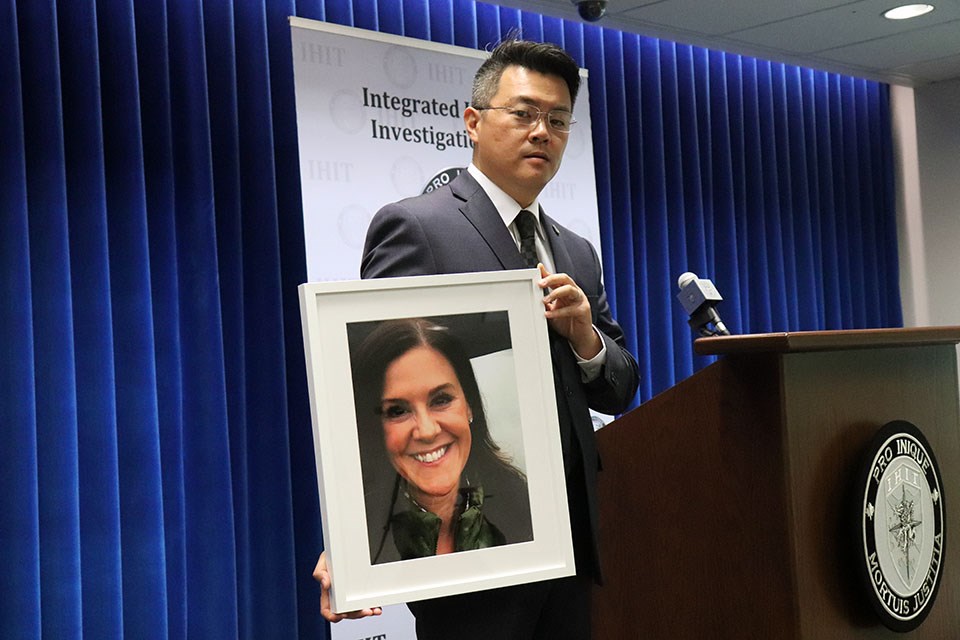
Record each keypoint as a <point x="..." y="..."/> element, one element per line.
<point x="528" y="117"/>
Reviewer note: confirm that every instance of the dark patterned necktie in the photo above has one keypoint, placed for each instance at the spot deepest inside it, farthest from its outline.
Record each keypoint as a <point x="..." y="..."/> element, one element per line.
<point x="527" y="226"/>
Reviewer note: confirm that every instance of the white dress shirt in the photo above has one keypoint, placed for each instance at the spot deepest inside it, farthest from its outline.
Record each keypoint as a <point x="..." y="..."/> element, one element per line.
<point x="508" y="208"/>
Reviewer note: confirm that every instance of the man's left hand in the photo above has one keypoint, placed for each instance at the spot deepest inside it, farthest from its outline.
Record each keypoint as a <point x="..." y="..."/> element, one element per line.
<point x="568" y="313"/>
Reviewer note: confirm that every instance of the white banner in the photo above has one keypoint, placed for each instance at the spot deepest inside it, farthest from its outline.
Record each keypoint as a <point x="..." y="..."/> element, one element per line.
<point x="380" y="118"/>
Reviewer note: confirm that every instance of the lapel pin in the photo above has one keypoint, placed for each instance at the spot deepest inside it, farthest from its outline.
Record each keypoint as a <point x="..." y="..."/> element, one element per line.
<point x="555" y="230"/>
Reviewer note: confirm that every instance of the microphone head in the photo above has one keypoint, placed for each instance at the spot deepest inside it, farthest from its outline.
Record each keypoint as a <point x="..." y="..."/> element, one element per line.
<point x="698" y="298"/>
<point x="686" y="278"/>
<point x="696" y="292"/>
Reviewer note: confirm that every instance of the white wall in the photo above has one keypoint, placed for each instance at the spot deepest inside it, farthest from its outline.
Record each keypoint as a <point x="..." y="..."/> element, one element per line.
<point x="926" y="125"/>
<point x="913" y="279"/>
<point x="928" y="150"/>
<point x="938" y="141"/>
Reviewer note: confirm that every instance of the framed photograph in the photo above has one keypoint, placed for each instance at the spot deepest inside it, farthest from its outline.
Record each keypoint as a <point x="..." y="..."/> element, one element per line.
<point x="436" y="436"/>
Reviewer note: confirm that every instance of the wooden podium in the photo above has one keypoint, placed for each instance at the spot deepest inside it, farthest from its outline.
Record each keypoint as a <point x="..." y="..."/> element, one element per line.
<point x="726" y="500"/>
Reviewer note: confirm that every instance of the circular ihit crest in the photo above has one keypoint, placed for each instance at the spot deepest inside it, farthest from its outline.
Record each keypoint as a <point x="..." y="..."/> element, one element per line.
<point x="901" y="525"/>
<point x="442" y="178"/>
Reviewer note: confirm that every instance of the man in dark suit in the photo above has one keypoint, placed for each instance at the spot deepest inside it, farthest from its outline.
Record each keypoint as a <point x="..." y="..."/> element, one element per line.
<point x="488" y="219"/>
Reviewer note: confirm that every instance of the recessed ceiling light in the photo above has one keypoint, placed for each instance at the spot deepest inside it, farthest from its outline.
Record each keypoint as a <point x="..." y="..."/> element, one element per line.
<point x="907" y="11"/>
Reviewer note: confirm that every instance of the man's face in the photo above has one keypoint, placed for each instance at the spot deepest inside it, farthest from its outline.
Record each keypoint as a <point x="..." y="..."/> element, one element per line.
<point x="521" y="160"/>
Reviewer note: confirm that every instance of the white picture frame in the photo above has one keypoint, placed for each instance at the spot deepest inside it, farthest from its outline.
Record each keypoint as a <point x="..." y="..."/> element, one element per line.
<point x="333" y="311"/>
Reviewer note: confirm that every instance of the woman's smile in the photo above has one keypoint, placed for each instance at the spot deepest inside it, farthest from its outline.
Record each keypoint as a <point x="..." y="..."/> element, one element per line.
<point x="432" y="456"/>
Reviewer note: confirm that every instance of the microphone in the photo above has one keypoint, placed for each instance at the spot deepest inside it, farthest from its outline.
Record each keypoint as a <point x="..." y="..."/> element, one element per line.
<point x="699" y="298"/>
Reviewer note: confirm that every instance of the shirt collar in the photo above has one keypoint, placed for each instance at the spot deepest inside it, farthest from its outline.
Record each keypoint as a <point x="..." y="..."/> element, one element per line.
<point x="506" y="206"/>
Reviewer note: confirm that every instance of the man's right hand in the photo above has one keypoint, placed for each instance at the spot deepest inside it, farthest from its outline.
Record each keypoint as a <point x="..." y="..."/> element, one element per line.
<point x="321" y="575"/>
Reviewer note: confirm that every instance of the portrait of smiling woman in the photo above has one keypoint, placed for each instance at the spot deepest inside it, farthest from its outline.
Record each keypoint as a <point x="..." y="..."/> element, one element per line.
<point x="434" y="479"/>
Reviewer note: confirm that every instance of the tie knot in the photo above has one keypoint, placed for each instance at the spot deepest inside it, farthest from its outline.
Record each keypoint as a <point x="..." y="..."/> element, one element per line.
<point x="526" y="224"/>
<point x="527" y="228"/>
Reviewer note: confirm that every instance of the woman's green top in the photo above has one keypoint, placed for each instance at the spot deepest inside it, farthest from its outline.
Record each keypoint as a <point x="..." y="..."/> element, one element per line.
<point x="416" y="530"/>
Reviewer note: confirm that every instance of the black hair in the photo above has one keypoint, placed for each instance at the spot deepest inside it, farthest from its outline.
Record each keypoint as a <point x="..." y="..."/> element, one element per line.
<point x="542" y="57"/>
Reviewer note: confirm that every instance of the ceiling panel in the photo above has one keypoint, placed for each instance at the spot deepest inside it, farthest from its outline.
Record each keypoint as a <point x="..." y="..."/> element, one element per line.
<point x="901" y="49"/>
<point x="933" y="70"/>
<point x="838" y="27"/>
<point x="716" y="18"/>
<point x="839" y="36"/>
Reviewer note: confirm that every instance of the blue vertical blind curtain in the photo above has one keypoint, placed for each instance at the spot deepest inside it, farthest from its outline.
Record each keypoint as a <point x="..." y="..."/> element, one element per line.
<point x="157" y="468"/>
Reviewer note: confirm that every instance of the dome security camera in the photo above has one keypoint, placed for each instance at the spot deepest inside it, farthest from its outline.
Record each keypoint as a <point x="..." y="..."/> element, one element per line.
<point x="591" y="10"/>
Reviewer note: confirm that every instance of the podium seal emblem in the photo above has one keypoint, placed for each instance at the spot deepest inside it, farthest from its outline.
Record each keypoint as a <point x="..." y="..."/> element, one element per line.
<point x="902" y="525"/>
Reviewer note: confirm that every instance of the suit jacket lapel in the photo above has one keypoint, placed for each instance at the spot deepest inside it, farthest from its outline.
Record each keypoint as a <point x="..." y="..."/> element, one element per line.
<point x="481" y="213"/>
<point x="562" y="262"/>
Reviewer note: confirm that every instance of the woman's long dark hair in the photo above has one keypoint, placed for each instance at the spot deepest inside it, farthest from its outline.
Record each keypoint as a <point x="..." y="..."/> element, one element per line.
<point x="387" y="342"/>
